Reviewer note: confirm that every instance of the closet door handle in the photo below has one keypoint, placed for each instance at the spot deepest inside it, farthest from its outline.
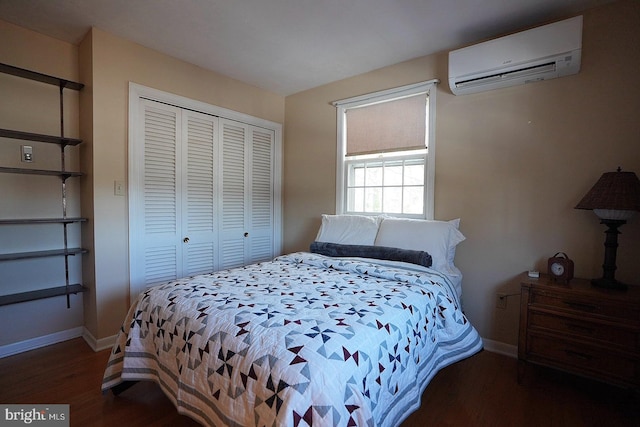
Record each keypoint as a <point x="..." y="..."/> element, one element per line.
<point x="185" y="240"/>
<point x="246" y="234"/>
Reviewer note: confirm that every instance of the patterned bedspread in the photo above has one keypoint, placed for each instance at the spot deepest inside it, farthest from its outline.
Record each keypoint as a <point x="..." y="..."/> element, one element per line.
<point x="301" y="340"/>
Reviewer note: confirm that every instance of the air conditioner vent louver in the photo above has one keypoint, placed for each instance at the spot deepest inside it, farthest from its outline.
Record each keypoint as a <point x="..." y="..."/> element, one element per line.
<point x="517" y="74"/>
<point x="541" y="53"/>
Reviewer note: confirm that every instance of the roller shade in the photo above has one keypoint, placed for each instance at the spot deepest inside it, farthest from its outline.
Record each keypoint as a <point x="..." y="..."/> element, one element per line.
<point x="387" y="126"/>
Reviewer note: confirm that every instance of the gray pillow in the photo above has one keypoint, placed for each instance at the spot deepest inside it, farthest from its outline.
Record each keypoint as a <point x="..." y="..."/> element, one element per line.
<point x="376" y="252"/>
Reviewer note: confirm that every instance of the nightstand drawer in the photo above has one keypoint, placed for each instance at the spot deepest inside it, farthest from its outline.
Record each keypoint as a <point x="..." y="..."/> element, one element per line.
<point x="580" y="328"/>
<point x="583" y="359"/>
<point x="587" y="306"/>
<point x="616" y="335"/>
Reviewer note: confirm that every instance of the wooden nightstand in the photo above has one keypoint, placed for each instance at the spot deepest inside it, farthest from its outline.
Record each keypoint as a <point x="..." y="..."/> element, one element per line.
<point x="581" y="329"/>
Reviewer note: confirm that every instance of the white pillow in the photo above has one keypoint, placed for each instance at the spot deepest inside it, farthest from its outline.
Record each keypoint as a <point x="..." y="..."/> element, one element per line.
<point x="438" y="238"/>
<point x="348" y="229"/>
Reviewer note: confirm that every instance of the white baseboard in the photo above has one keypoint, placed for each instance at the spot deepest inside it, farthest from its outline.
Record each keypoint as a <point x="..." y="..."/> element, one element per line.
<point x="500" y="347"/>
<point x="98" y="344"/>
<point x="43" y="341"/>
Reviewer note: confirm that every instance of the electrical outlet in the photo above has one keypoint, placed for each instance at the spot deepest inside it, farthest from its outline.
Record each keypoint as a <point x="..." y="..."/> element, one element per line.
<point x="501" y="301"/>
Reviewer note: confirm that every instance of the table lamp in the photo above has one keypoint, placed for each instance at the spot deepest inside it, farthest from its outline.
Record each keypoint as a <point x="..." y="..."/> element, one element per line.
<point x="615" y="198"/>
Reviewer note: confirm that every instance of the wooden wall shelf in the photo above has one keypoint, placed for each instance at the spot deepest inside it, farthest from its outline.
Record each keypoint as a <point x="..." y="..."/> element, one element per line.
<point x="41" y="294"/>
<point x="28" y="136"/>
<point x="63" y="173"/>
<point x="41" y="221"/>
<point x="39" y="77"/>
<point x="42" y="254"/>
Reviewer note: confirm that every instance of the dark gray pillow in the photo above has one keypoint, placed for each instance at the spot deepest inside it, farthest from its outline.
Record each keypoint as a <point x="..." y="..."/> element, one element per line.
<point x="377" y="252"/>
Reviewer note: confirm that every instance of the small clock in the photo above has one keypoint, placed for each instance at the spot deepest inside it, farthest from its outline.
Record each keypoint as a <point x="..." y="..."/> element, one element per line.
<point x="560" y="267"/>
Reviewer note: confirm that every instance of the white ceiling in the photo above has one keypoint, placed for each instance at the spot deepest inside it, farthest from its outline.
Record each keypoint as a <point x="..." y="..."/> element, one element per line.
<point x="287" y="46"/>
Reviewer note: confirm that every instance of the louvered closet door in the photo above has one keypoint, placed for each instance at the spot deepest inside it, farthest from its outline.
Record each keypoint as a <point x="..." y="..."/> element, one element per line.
<point x="260" y="214"/>
<point x="199" y="227"/>
<point x="174" y="217"/>
<point x="155" y="213"/>
<point x="246" y="218"/>
<point x="233" y="192"/>
<point x="201" y="193"/>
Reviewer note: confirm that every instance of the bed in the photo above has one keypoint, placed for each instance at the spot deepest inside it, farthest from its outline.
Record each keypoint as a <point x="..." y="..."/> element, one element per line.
<point x="305" y="339"/>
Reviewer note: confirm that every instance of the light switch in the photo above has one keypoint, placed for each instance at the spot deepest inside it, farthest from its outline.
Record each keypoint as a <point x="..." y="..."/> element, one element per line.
<point x="118" y="188"/>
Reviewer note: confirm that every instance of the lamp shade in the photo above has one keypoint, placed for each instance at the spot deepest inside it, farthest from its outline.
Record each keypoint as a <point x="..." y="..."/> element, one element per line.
<point x="616" y="195"/>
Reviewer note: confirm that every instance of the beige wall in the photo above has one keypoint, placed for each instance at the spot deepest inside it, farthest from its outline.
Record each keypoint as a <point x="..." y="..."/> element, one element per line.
<point x="511" y="163"/>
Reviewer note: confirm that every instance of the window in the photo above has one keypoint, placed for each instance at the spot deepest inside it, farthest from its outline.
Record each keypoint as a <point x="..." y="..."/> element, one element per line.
<point x="387" y="184"/>
<point x="386" y="152"/>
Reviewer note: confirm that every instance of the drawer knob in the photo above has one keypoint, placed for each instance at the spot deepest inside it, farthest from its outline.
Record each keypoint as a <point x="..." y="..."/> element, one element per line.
<point x="580" y="328"/>
<point x="578" y="355"/>
<point x="581" y="306"/>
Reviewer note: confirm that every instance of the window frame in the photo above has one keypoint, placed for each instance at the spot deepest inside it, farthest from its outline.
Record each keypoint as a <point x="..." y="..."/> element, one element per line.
<point x="391" y="159"/>
<point x="428" y="87"/>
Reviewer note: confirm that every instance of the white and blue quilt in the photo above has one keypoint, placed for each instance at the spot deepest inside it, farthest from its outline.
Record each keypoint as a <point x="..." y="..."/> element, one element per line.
<point x="302" y="340"/>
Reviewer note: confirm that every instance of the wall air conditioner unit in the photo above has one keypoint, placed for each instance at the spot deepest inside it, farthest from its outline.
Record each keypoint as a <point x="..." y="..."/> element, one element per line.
<point x="540" y="53"/>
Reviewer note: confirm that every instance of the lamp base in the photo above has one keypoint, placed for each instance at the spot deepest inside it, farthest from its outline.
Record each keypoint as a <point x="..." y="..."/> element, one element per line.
<point x="608" y="284"/>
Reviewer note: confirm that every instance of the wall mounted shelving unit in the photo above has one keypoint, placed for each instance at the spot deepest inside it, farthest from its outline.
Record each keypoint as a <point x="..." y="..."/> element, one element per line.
<point x="65" y="252"/>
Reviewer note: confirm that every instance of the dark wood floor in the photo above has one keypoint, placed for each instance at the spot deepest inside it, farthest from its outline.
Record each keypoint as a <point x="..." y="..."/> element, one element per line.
<point x="479" y="391"/>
